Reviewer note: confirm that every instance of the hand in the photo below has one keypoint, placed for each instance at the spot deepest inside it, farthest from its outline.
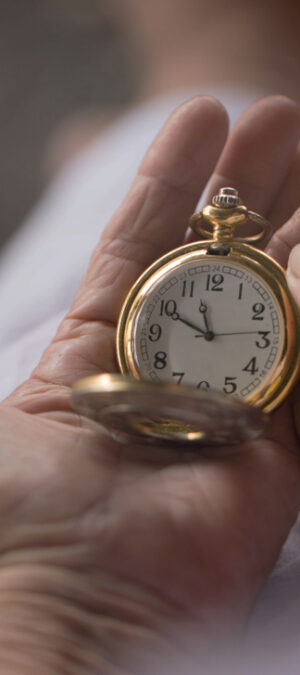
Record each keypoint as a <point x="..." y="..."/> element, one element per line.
<point x="108" y="553"/>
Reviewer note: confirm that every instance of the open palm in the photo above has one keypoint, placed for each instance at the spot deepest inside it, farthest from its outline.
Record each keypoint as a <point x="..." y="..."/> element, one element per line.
<point x="105" y="551"/>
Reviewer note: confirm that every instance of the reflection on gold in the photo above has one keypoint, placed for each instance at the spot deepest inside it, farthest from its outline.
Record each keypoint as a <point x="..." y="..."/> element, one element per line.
<point x="168" y="428"/>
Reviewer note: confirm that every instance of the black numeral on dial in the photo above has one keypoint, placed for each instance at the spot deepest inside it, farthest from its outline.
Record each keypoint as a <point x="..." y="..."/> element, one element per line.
<point x="263" y="341"/>
<point x="214" y="283"/>
<point x="203" y="385"/>
<point x="258" y="309"/>
<point x="251" y="367"/>
<point x="230" y="385"/>
<point x="169" y="308"/>
<point x="188" y="289"/>
<point x="160" y="360"/>
<point x="179" y="375"/>
<point x="154" y="332"/>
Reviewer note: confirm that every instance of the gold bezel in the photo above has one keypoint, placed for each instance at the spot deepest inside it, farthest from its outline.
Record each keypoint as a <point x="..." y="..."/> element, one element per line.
<point x="273" y="389"/>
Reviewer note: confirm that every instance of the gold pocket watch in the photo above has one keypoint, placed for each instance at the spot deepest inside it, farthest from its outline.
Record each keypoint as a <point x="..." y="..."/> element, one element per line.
<point x="207" y="339"/>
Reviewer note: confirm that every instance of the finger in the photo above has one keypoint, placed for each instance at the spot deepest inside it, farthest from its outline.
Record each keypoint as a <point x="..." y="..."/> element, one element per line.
<point x="293" y="269"/>
<point x="151" y="221"/>
<point x="282" y="243"/>
<point x="258" y="153"/>
<point x="153" y="218"/>
<point x="284" y="209"/>
<point x="293" y="279"/>
<point x="288" y="198"/>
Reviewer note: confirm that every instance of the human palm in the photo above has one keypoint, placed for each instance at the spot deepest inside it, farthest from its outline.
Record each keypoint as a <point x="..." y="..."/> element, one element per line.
<point x="111" y="553"/>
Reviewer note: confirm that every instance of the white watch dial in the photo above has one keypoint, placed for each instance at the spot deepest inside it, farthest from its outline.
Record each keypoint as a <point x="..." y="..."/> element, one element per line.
<point x="209" y="324"/>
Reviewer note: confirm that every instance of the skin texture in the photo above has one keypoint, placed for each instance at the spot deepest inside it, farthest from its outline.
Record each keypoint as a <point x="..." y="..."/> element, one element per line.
<point x="117" y="560"/>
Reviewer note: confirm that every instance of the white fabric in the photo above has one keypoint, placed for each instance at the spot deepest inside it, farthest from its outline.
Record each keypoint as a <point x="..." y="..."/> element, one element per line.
<point x="40" y="271"/>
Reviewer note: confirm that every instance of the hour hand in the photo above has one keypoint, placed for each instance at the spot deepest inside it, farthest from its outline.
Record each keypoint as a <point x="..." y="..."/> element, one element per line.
<point x="203" y="310"/>
<point x="202" y="307"/>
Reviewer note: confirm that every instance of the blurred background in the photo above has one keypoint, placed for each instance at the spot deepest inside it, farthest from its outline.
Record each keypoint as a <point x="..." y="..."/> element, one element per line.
<point x="69" y="66"/>
<point x="56" y="58"/>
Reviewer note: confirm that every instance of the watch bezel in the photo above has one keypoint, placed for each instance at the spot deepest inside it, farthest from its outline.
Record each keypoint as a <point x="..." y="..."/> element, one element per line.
<point x="275" y="387"/>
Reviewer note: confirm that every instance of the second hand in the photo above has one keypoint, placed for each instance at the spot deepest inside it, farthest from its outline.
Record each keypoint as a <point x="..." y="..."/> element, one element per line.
<point x="246" y="332"/>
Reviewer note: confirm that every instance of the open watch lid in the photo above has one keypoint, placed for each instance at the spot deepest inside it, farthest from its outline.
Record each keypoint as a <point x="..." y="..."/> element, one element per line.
<point x="162" y="414"/>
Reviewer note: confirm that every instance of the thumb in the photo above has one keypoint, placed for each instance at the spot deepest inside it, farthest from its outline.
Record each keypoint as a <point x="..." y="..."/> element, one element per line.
<point x="293" y="279"/>
<point x="293" y="273"/>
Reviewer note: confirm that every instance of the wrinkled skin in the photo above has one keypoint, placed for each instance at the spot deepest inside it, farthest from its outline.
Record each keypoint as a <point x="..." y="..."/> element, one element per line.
<point x="113" y="557"/>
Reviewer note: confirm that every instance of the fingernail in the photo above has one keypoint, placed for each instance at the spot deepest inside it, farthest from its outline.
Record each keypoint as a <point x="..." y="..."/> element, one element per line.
<point x="294" y="262"/>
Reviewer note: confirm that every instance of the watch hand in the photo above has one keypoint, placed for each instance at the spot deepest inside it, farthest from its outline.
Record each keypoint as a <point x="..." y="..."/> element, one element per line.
<point x="188" y="323"/>
<point x="207" y="334"/>
<point x="203" y="310"/>
<point x="246" y="332"/>
<point x="243" y="332"/>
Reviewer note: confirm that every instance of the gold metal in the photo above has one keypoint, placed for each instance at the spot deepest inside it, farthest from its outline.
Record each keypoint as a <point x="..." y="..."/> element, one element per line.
<point x="225" y="218"/>
<point x="165" y="413"/>
<point x="274" y="388"/>
<point x="227" y="197"/>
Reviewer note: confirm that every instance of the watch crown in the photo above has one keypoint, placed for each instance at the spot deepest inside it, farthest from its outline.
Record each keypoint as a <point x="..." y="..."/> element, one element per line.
<point x="227" y="198"/>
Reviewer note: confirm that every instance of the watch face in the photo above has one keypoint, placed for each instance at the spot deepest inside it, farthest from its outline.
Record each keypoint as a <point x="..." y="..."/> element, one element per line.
<point x="208" y="323"/>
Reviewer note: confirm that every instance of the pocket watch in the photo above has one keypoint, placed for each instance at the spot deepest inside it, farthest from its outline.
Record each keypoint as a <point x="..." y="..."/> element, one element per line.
<point x="207" y="339"/>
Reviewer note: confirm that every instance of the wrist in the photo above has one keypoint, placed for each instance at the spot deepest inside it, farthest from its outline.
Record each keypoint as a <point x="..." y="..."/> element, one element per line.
<point x="52" y="618"/>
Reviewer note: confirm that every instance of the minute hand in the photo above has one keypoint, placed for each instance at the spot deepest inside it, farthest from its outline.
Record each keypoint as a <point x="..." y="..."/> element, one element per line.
<point x="191" y="325"/>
